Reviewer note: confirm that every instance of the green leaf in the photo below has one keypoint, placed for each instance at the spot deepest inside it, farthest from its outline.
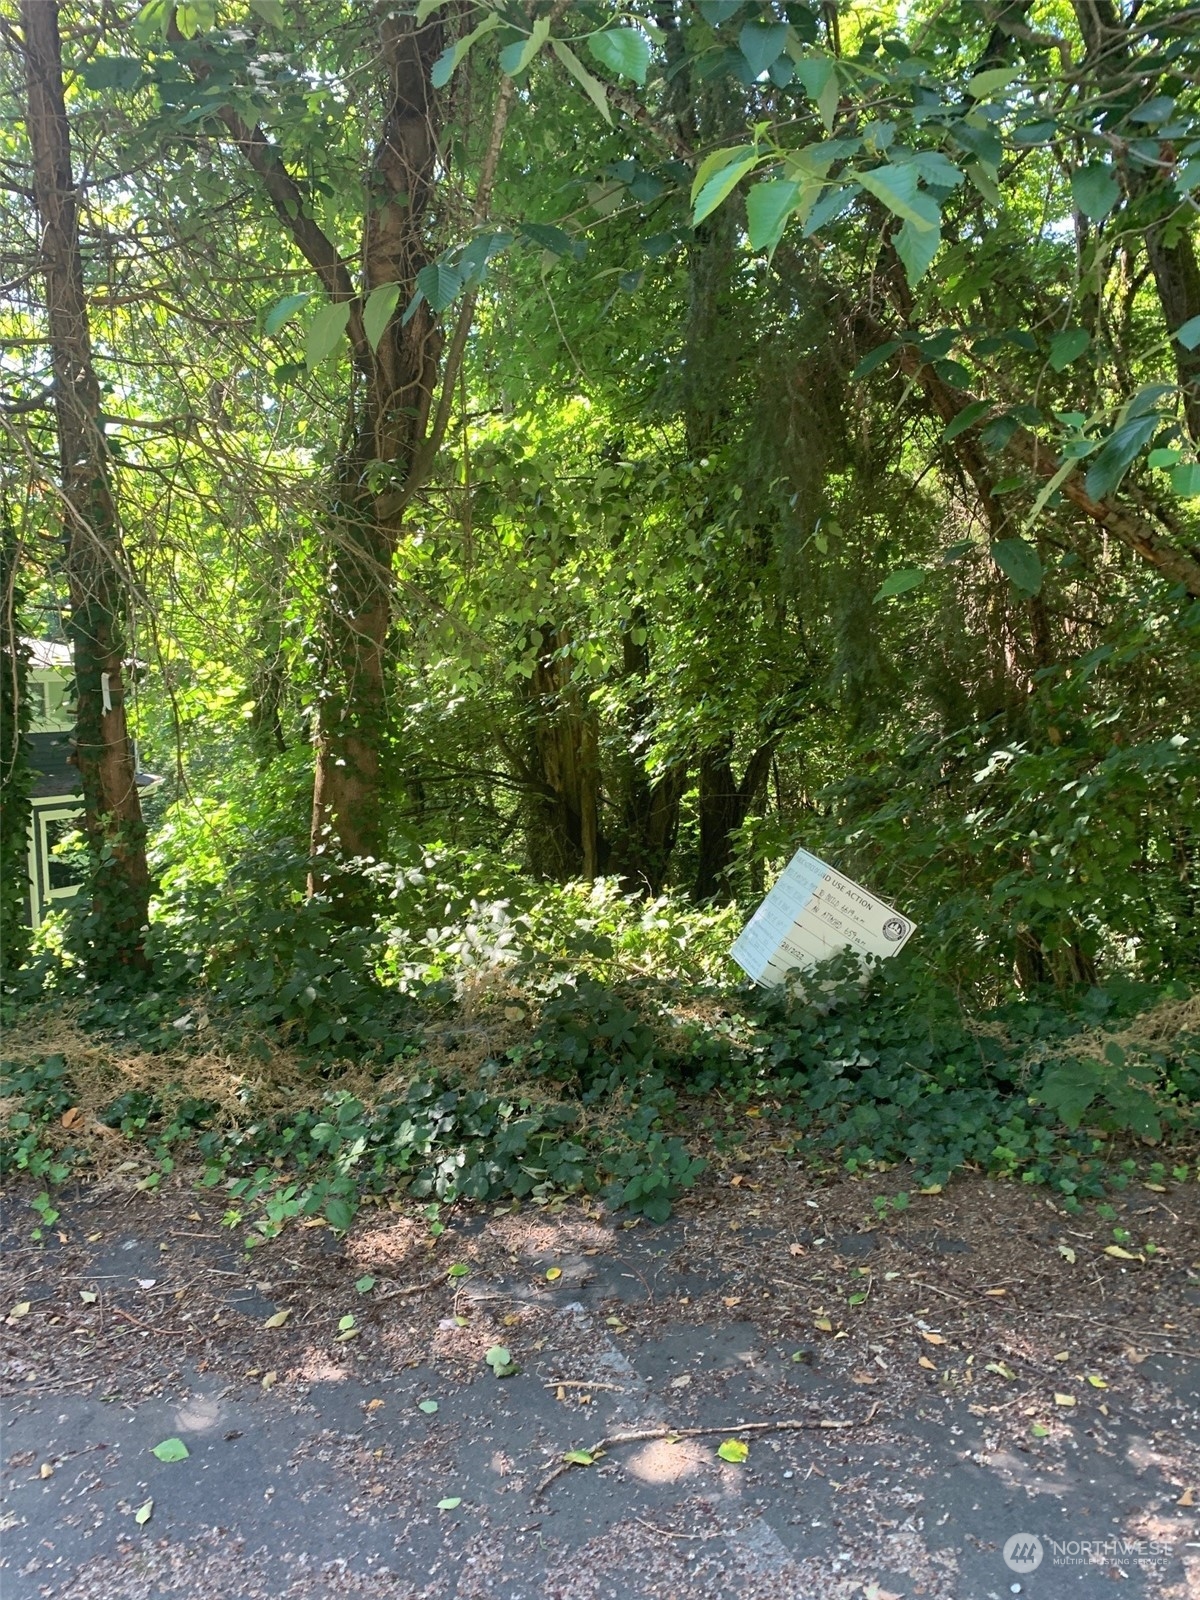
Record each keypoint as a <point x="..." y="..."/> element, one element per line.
<point x="452" y="1504"/>
<point x="443" y="68"/>
<point x="439" y="283"/>
<point x="460" y="1269"/>
<point x="365" y="1284"/>
<point x="985" y="84"/>
<point x="1095" y="189"/>
<point x="768" y="206"/>
<point x="900" y="582"/>
<point x="271" y="11"/>
<point x="762" y="44"/>
<point x="1189" y="335"/>
<point x="966" y="418"/>
<point x="1056" y="482"/>
<point x="1068" y="346"/>
<point x="346" y="1323"/>
<point x="195" y="16"/>
<point x="171" y="1450"/>
<point x="1020" y="564"/>
<point x="735" y="1450"/>
<point x="715" y="161"/>
<point x="284" y="310"/>
<point x="591" y="86"/>
<point x="1185" y="480"/>
<point x="427" y="1406"/>
<point x="514" y="58"/>
<point x="548" y="237"/>
<point x="916" y="250"/>
<point x="112" y="72"/>
<point x="143" y="1513"/>
<point x="1168" y="457"/>
<point x="324" y="334"/>
<point x="875" y="358"/>
<point x="1118" y="454"/>
<point x="377" y="312"/>
<point x="624" y="51"/>
<point x="578" y="1458"/>
<point x="720" y="186"/>
<point x="897" y="187"/>
<point x="339" y="1213"/>
<point x="501" y="1362"/>
<point x="819" y="77"/>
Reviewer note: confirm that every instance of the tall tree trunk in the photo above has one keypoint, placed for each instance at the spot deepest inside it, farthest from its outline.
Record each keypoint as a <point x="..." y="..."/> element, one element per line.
<point x="564" y="832"/>
<point x="16" y="779"/>
<point x="724" y="806"/>
<point x="649" y="810"/>
<point x="113" y="824"/>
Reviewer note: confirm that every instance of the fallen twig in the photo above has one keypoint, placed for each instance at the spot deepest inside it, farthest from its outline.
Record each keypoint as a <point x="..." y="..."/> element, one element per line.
<point x="641" y="1435"/>
<point x="172" y="1333"/>
<point x="414" y="1288"/>
<point x="580" y="1383"/>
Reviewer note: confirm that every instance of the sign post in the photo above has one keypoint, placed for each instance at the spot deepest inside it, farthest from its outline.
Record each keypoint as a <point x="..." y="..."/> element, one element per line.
<point x="811" y="914"/>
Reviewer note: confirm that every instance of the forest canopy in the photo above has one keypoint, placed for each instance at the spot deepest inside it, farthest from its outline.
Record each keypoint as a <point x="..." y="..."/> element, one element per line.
<point x="512" y="473"/>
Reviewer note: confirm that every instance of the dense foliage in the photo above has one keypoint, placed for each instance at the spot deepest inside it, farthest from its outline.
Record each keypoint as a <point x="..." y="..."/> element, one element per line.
<point x="563" y="459"/>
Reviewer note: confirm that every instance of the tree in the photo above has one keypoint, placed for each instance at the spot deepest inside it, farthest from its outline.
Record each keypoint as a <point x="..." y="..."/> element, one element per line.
<point x="95" y="565"/>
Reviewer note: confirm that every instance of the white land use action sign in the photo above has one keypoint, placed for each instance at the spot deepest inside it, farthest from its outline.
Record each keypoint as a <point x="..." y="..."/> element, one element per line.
<point x="812" y="913"/>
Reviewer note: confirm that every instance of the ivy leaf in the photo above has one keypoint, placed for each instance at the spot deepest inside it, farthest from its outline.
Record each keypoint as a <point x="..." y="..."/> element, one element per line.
<point x="377" y="312"/>
<point x="1095" y="189"/>
<point x="735" y="1450"/>
<point x="762" y="44"/>
<point x="591" y="85"/>
<point x="324" y="334"/>
<point x="900" y="582"/>
<point x="171" y="1450"/>
<point x="1020" y="564"/>
<point x="624" y="51"/>
<point x="1068" y="346"/>
<point x="768" y="206"/>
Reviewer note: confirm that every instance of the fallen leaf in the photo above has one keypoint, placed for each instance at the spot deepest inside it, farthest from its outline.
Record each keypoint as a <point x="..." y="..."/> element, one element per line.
<point x="1155" y="1188"/>
<point x="1039" y="1430"/>
<point x="872" y="1591"/>
<point x="796" y="1250"/>
<point x="45" y="1470"/>
<point x="88" y="1296"/>
<point x="1064" y="1399"/>
<point x="1001" y="1369"/>
<point x="279" y="1318"/>
<point x="1067" y="1254"/>
<point x="365" y="1284"/>
<point x="735" y="1450"/>
<point x="824" y="1324"/>
<point x="731" y="1300"/>
<point x="1062" y="1355"/>
<point x="736" y="1181"/>
<point x="512" y="1319"/>
<point x="1136" y="1356"/>
<point x="578" y="1458"/>
<point x="72" y="1117"/>
<point x="346" y="1323"/>
<point x="932" y="1188"/>
<point x="995" y="1293"/>
<point x="1096" y="1382"/>
<point x="931" y="1338"/>
<point x="374" y="1405"/>
<point x="450" y="1505"/>
<point x="1121" y="1253"/>
<point x="143" y="1514"/>
<point x="924" y="1361"/>
<point x="427" y="1406"/>
<point x="171" y="1450"/>
<point x="553" y="1274"/>
<point x="460" y="1269"/>
<point x="682" y="1381"/>
<point x="499" y="1358"/>
<point x="21" y="1309"/>
<point x="270" y="1379"/>
<point x="864" y="1377"/>
<point x="1187" y="1498"/>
